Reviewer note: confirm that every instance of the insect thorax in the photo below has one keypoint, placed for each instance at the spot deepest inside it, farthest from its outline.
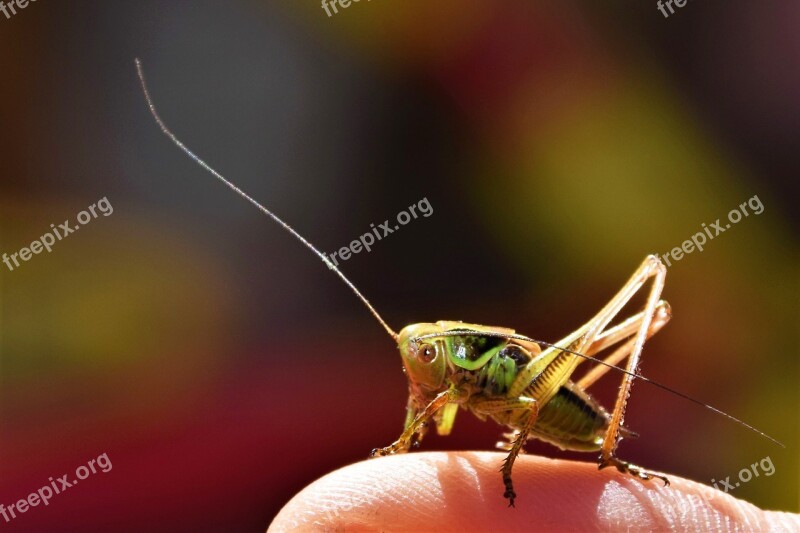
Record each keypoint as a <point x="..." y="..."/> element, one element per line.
<point x="489" y="364"/>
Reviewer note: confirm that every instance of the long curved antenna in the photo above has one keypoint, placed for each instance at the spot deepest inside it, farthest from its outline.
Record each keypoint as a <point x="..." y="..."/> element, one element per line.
<point x="463" y="332"/>
<point x="263" y="209"/>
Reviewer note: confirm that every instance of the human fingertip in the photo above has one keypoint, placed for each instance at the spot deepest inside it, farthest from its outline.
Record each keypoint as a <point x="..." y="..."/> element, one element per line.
<point x="462" y="491"/>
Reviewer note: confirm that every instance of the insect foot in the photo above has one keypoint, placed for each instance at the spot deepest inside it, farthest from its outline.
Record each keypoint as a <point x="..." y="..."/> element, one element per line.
<point x="510" y="494"/>
<point x="506" y="470"/>
<point x="396" y="447"/>
<point x="379" y="452"/>
<point x="632" y="469"/>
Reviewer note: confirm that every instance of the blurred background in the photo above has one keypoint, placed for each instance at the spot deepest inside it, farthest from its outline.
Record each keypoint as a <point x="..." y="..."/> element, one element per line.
<point x="222" y="368"/>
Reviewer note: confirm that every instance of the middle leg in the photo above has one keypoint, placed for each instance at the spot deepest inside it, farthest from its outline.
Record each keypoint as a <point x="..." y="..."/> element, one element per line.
<point x="528" y="410"/>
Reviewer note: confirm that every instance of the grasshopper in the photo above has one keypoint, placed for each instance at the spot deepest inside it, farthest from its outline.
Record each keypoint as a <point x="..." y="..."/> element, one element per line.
<point x="519" y="382"/>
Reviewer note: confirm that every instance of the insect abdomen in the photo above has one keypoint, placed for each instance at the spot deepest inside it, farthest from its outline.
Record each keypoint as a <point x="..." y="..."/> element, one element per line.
<point x="572" y="420"/>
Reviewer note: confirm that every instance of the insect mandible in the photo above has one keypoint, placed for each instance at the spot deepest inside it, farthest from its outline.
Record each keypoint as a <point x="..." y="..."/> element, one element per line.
<point x="519" y="382"/>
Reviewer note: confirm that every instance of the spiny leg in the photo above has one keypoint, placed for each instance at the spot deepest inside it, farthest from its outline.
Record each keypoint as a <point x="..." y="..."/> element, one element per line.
<point x="618" y="355"/>
<point x="402" y="444"/>
<point x="516" y="446"/>
<point x="650" y="268"/>
<point x="411" y="414"/>
<point x="493" y="407"/>
<point x="416" y="438"/>
<point x="560" y="365"/>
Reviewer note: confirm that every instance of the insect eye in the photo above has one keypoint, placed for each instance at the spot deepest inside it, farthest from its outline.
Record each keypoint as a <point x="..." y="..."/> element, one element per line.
<point x="426" y="353"/>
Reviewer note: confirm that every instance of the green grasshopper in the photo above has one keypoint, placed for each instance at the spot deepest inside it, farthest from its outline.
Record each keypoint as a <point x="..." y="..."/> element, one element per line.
<point x="519" y="382"/>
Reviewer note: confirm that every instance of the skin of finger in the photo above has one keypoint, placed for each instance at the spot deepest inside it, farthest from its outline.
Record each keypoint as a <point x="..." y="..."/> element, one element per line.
<point x="462" y="491"/>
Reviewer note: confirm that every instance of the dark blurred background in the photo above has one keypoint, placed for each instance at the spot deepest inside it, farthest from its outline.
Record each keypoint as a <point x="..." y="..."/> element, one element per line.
<point x="222" y="368"/>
